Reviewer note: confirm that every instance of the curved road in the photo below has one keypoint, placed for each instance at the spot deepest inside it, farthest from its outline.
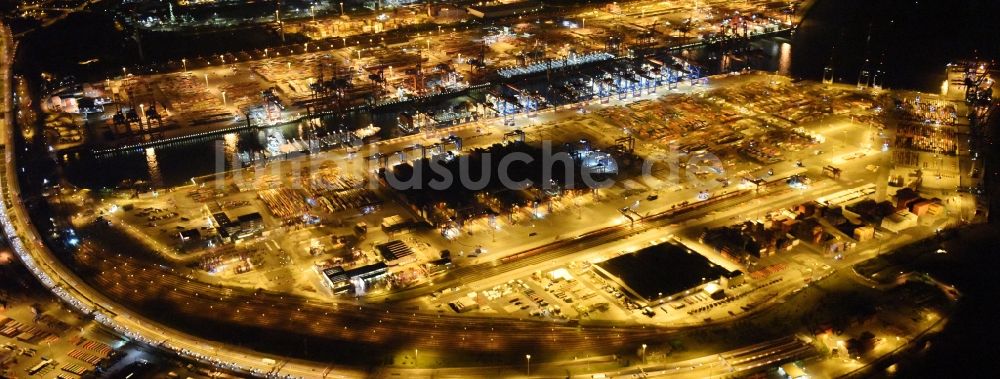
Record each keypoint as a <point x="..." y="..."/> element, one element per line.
<point x="366" y="330"/>
<point x="26" y="243"/>
<point x="357" y="326"/>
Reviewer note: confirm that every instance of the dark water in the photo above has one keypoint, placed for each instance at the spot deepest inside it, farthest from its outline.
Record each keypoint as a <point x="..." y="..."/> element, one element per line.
<point x="910" y="41"/>
<point x="179" y="162"/>
<point x="914" y="40"/>
<point x="93" y="37"/>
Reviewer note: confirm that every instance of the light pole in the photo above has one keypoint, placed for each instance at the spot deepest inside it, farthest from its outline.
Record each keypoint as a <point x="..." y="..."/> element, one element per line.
<point x="528" y="359"/>
<point x="265" y="52"/>
<point x="643" y="353"/>
<point x="184" y="62"/>
<point x="123" y="73"/>
<point x="206" y="79"/>
<point x="223" y="98"/>
<point x="341" y="8"/>
<point x="416" y="356"/>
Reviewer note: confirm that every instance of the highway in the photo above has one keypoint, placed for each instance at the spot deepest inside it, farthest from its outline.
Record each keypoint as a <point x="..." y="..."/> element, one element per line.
<point x="135" y="283"/>
<point x="730" y="363"/>
<point x="561" y="248"/>
<point x="226" y="312"/>
<point x="736" y="362"/>
<point x="65" y="12"/>
<point x="26" y="243"/>
<point x="219" y="311"/>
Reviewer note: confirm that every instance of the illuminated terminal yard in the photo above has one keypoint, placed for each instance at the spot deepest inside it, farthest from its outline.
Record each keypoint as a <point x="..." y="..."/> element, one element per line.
<point x="492" y="189"/>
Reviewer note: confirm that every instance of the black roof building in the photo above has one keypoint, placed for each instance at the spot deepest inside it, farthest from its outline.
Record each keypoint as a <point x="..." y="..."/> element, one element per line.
<point x="395" y="252"/>
<point x="659" y="271"/>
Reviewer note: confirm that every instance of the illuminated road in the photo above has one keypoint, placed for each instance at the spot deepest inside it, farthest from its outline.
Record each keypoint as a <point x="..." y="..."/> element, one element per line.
<point x="142" y="285"/>
<point x="363" y="327"/>
<point x="26" y="243"/>
<point x="469" y="274"/>
<point x="65" y="13"/>
<point x="129" y="281"/>
<point x="732" y="363"/>
<point x="224" y="311"/>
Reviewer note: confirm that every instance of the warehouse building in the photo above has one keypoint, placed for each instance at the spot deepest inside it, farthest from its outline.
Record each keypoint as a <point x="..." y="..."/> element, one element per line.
<point x="357" y="279"/>
<point x="663" y="272"/>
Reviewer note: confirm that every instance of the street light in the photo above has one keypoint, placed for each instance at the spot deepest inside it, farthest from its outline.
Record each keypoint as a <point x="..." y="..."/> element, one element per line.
<point x="341" y="8"/>
<point x="184" y="62"/>
<point x="528" y="359"/>
<point x="643" y="353"/>
<point x="223" y="98"/>
<point x="416" y="355"/>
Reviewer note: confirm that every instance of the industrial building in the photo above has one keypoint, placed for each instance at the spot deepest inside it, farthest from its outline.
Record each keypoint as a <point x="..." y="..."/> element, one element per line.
<point x="396" y="253"/>
<point x="357" y="279"/>
<point x="245" y="226"/>
<point x="661" y="272"/>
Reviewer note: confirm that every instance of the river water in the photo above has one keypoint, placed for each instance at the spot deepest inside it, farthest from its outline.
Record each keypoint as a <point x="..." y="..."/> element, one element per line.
<point x="910" y="41"/>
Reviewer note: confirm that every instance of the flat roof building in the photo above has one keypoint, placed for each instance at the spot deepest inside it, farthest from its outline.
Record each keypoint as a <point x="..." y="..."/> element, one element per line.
<point x="338" y="281"/>
<point x="792" y="371"/>
<point x="437" y="266"/>
<point x="357" y="279"/>
<point x="660" y="271"/>
<point x="396" y="252"/>
<point x="245" y="226"/>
